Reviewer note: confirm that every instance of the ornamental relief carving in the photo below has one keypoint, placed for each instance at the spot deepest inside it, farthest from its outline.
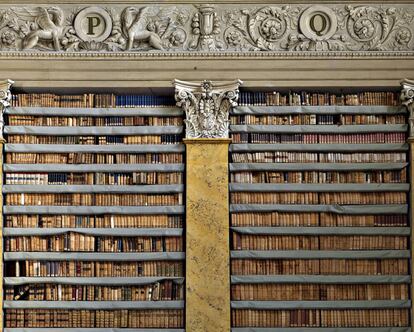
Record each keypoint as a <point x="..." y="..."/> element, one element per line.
<point x="207" y="28"/>
<point x="207" y="106"/>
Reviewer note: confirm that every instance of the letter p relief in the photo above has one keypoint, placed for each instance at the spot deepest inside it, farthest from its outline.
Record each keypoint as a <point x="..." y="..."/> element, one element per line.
<point x="93" y="24"/>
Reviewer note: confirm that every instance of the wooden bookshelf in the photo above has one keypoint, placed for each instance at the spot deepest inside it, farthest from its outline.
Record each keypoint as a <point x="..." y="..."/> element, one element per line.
<point x="93" y="215"/>
<point x="319" y="215"/>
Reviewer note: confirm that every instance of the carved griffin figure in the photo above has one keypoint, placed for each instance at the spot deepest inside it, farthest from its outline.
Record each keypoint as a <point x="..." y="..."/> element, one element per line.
<point x="49" y="27"/>
<point x="135" y="27"/>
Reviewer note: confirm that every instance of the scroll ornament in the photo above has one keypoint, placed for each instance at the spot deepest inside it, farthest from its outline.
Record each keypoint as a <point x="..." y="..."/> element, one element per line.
<point x="407" y="98"/>
<point x="292" y="29"/>
<point x="5" y="98"/>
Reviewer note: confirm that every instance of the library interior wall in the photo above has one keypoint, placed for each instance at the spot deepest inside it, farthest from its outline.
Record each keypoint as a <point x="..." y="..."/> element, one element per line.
<point x="154" y="71"/>
<point x="343" y="60"/>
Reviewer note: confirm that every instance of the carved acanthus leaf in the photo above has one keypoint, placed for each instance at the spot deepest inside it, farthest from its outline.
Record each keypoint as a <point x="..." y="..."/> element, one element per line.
<point x="407" y="99"/>
<point x="207" y="28"/>
<point x="5" y="98"/>
<point x="207" y="106"/>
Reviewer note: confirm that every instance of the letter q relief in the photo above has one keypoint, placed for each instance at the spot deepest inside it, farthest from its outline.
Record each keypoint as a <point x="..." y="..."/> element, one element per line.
<point x="318" y="23"/>
<point x="93" y="24"/>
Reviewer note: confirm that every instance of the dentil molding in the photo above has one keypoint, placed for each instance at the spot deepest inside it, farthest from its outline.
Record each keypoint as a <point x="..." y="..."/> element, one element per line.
<point x="196" y="30"/>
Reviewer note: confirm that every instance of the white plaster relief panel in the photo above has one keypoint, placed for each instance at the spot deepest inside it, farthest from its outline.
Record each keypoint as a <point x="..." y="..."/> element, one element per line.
<point x="208" y="28"/>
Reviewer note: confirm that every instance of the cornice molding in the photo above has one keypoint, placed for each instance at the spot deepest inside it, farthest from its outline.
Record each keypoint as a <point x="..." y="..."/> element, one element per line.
<point x="181" y="31"/>
<point x="195" y="2"/>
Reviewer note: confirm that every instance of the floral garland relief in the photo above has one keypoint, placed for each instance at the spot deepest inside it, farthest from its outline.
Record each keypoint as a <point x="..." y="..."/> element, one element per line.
<point x="207" y="28"/>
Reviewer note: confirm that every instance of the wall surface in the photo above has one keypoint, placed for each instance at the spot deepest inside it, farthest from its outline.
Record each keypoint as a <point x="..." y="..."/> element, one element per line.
<point x="124" y="44"/>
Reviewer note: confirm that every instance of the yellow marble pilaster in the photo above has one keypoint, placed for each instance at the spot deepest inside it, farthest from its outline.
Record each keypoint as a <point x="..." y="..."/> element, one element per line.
<point x="207" y="236"/>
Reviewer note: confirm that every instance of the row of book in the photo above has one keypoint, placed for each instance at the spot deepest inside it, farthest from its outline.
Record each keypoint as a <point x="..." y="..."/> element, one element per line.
<point x="286" y="219"/>
<point x="159" y="291"/>
<point x="89" y="121"/>
<point x="68" y="268"/>
<point x="270" y="138"/>
<point x="359" y="198"/>
<point x="245" y="98"/>
<point x="321" y="318"/>
<point x="25" y="251"/>
<point x="317" y="99"/>
<point x="133" y="178"/>
<point x="92" y="221"/>
<point x="64" y="318"/>
<point x="96" y="140"/>
<point x="318" y="292"/>
<point x="94" y="199"/>
<point x="311" y="157"/>
<point x="319" y="177"/>
<point x="33" y="268"/>
<point x="140" y="178"/>
<point x="317" y="119"/>
<point x="321" y="242"/>
<point x="301" y="119"/>
<point x="323" y="147"/>
<point x="79" y="242"/>
<point x="90" y="100"/>
<point x="320" y="266"/>
<point x="93" y="158"/>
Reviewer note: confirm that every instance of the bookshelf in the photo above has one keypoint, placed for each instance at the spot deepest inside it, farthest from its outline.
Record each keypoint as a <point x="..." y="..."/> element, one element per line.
<point x="94" y="208"/>
<point x="93" y="213"/>
<point x="320" y="228"/>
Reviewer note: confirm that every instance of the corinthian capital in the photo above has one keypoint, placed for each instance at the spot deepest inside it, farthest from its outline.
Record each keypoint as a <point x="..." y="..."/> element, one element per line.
<point x="5" y="97"/>
<point x="407" y="98"/>
<point x="207" y="105"/>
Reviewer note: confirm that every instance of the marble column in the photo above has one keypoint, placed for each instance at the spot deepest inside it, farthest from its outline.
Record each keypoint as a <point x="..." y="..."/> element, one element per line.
<point x="407" y="98"/>
<point x="5" y="97"/>
<point x="207" y="107"/>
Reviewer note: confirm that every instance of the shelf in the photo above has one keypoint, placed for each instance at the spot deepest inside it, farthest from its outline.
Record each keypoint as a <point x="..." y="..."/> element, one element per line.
<point x="158" y="111"/>
<point x="92" y="130"/>
<point x="318" y="129"/>
<point x="320" y="279"/>
<point x="109" y="148"/>
<point x="115" y="281"/>
<point x="325" y="109"/>
<point x="100" y="329"/>
<point x="94" y="188"/>
<point x="320" y="167"/>
<point x="103" y="168"/>
<point x="310" y="329"/>
<point x="319" y="254"/>
<point x="335" y="148"/>
<point x="12" y="231"/>
<point x="93" y="210"/>
<point x="342" y="231"/>
<point x="337" y="305"/>
<point x="334" y="208"/>
<point x="323" y="187"/>
<point x="91" y="305"/>
<point x="94" y="256"/>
